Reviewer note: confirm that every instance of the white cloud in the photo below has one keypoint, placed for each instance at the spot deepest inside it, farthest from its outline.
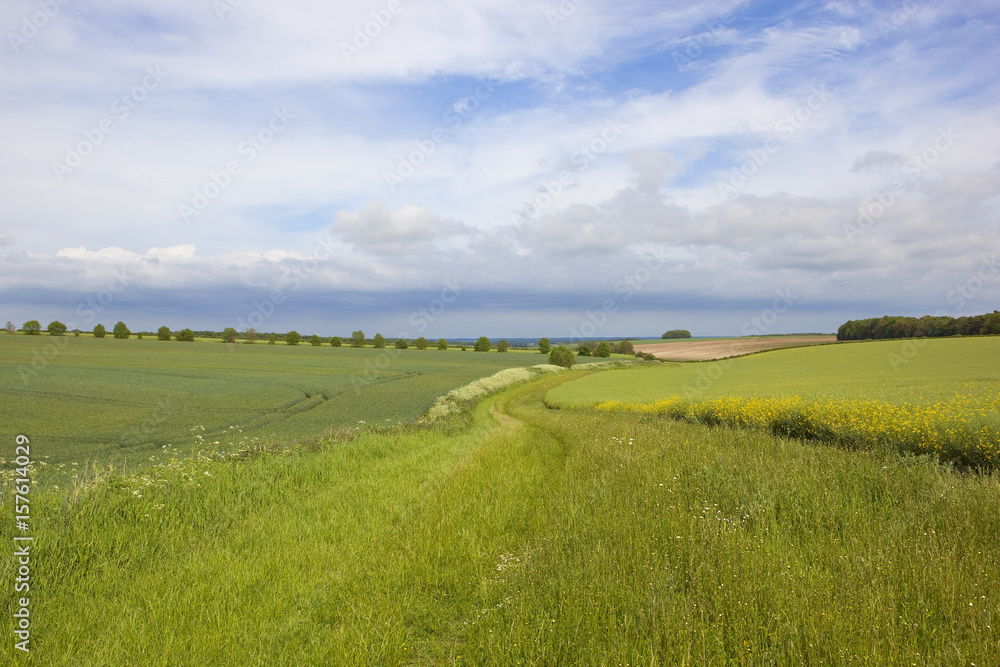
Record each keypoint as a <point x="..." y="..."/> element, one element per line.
<point x="411" y="230"/>
<point x="686" y="126"/>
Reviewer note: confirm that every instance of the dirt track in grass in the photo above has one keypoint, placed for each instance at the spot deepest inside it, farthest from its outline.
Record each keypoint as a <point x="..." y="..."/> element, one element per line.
<point x="717" y="348"/>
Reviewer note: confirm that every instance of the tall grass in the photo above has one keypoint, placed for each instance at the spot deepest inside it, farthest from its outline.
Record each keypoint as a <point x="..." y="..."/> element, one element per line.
<point x="530" y="537"/>
<point x="670" y="543"/>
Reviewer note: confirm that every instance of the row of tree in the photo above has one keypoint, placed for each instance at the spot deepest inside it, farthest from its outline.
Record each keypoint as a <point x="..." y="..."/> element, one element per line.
<point x="929" y="326"/>
<point x="358" y="339"/>
<point x="57" y="328"/>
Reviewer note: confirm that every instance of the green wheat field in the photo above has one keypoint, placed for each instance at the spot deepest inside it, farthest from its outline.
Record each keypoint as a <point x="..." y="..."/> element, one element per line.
<point x="116" y="401"/>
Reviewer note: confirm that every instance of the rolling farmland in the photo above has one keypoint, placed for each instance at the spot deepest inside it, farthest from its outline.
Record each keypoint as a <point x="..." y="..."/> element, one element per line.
<point x="112" y="400"/>
<point x="939" y="396"/>
<point x="532" y="536"/>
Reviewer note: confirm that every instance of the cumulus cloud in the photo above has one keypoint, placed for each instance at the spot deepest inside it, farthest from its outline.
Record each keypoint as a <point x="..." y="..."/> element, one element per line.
<point x="410" y="230"/>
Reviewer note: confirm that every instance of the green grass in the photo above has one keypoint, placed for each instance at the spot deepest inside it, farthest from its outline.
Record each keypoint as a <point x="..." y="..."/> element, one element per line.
<point x="532" y="536"/>
<point x="891" y="371"/>
<point x="114" y="401"/>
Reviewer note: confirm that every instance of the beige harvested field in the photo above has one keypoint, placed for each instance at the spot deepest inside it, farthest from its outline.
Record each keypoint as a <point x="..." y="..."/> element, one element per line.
<point x="706" y="350"/>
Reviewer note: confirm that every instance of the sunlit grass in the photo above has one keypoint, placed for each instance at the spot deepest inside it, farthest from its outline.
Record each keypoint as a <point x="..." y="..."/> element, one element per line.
<point x="531" y="536"/>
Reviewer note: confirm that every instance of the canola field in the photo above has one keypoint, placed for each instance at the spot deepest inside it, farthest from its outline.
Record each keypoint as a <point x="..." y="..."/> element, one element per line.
<point x="939" y="396"/>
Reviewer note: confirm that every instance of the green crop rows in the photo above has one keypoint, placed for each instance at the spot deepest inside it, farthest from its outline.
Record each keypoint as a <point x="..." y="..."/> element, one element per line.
<point x="121" y="401"/>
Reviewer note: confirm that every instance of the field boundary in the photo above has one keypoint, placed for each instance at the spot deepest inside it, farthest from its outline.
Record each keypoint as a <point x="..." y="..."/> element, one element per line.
<point x="728" y="348"/>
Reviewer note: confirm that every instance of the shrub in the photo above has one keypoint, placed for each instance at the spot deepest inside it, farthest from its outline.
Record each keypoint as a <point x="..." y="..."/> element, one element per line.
<point x="562" y="356"/>
<point x="677" y="333"/>
<point x="335" y="341"/>
<point x="358" y="338"/>
<point x="503" y="345"/>
<point x="272" y="339"/>
<point x="185" y="336"/>
<point x="100" y="331"/>
<point x="544" y="346"/>
<point x="401" y="344"/>
<point x="603" y="349"/>
<point x="378" y="341"/>
<point x="482" y="345"/>
<point x="584" y="350"/>
<point x="315" y="341"/>
<point x="421" y="343"/>
<point x="442" y="344"/>
<point x="229" y="335"/>
<point x="121" y="331"/>
<point x="626" y="347"/>
<point x="292" y="338"/>
<point x="32" y="328"/>
<point x="163" y="333"/>
<point x="250" y="334"/>
<point x="56" y="328"/>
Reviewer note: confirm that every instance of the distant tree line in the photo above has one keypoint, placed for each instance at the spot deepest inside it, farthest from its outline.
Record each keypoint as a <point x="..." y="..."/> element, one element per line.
<point x="676" y="333"/>
<point x="357" y="339"/>
<point x="928" y="326"/>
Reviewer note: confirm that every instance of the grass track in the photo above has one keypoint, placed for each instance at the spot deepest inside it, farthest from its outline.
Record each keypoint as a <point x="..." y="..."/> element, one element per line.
<point x="533" y="537"/>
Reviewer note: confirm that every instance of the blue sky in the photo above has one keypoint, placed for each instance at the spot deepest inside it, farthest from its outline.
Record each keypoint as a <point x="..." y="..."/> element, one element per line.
<point x="616" y="168"/>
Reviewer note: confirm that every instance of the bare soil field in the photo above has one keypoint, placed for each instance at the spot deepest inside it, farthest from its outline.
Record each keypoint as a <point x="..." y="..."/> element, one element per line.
<point x="720" y="348"/>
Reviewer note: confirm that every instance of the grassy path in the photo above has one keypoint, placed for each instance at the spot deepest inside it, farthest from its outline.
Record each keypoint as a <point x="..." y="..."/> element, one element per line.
<point x="532" y="536"/>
